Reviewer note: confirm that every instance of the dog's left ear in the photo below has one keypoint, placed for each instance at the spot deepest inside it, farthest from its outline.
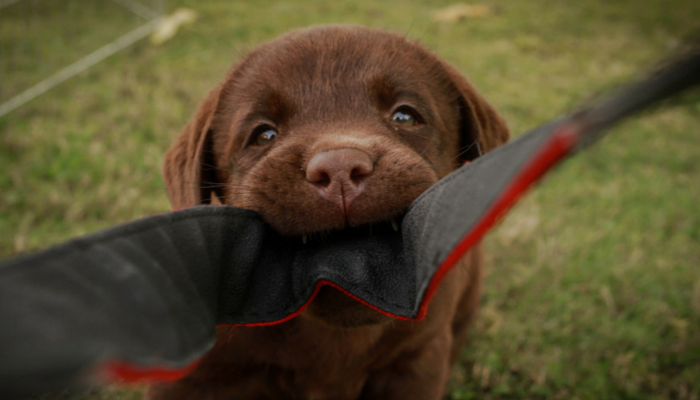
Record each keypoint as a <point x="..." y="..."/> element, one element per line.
<point x="189" y="170"/>
<point x="480" y="122"/>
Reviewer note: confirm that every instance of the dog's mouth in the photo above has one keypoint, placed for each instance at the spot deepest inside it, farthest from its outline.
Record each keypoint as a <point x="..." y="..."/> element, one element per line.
<point x="388" y="227"/>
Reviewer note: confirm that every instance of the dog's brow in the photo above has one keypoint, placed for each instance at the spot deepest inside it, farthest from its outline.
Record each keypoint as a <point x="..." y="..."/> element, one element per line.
<point x="388" y="93"/>
<point x="272" y="105"/>
<point x="383" y="91"/>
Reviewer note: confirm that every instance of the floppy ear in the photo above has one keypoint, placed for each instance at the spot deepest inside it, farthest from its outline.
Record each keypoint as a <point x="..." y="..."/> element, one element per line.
<point x="189" y="168"/>
<point x="480" y="121"/>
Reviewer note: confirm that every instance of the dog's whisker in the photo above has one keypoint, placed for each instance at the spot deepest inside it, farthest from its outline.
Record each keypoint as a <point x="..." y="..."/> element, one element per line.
<point x="236" y="191"/>
<point x="282" y="161"/>
<point x="211" y="167"/>
<point x="211" y="185"/>
<point x="231" y="170"/>
<point x="394" y="225"/>
<point x="428" y="146"/>
<point x="465" y="150"/>
<point x="233" y="196"/>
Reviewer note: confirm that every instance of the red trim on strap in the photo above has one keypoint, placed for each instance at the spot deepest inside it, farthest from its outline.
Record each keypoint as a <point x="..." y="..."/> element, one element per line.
<point x="123" y="372"/>
<point x="550" y="153"/>
<point x="317" y="288"/>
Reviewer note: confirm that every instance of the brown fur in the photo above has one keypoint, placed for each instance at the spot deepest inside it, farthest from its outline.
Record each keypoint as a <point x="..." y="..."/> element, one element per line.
<point x="338" y="160"/>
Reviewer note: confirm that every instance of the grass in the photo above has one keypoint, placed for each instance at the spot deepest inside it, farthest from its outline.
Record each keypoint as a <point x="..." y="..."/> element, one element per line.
<point x="592" y="288"/>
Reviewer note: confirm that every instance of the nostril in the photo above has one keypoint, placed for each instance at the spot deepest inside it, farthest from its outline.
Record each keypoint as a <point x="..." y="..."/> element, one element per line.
<point x="318" y="175"/>
<point x="359" y="173"/>
<point x="322" y="179"/>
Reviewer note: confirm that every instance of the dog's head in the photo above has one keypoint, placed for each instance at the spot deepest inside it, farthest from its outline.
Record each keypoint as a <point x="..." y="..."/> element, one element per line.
<point x="328" y="128"/>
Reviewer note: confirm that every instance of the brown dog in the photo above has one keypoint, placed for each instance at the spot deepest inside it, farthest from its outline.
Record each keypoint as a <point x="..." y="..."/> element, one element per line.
<point x="322" y="129"/>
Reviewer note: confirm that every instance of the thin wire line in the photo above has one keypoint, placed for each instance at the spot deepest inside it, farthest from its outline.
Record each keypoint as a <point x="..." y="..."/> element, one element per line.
<point x="79" y="66"/>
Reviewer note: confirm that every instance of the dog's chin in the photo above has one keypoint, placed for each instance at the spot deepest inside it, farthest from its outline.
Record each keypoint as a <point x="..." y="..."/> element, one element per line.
<point x="334" y="308"/>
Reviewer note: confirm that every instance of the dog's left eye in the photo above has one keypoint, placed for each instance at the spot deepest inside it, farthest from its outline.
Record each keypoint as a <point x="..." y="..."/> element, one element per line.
<point x="263" y="136"/>
<point x="405" y="117"/>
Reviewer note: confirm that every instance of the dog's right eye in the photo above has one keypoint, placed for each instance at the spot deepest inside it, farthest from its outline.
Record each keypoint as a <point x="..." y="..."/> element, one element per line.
<point x="263" y="135"/>
<point x="406" y="116"/>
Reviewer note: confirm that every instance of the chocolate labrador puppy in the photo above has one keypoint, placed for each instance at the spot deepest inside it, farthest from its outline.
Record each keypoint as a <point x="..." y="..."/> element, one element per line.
<point x="319" y="130"/>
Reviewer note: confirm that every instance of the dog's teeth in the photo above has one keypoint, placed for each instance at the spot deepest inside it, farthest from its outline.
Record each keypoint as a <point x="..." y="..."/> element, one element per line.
<point x="395" y="225"/>
<point x="304" y="239"/>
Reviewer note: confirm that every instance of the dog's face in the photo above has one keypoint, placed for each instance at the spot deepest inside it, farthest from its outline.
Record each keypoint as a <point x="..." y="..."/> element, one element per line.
<point x="329" y="128"/>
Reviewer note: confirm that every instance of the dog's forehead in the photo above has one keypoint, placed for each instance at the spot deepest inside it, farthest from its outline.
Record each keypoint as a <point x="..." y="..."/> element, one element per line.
<point x="338" y="63"/>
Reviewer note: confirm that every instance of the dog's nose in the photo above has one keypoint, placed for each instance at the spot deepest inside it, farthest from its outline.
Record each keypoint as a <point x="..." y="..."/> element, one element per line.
<point x="339" y="175"/>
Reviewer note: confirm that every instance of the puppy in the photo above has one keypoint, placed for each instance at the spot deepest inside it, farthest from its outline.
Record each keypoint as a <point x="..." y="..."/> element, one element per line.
<point x="320" y="130"/>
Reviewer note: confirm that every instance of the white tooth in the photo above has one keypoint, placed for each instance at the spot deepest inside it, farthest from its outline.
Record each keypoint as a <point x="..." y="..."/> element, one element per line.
<point x="303" y="239"/>
<point x="395" y="225"/>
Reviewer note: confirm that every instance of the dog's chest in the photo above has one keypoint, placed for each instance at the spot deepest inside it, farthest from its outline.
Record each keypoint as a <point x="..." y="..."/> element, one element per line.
<point x="317" y="384"/>
<point x="323" y="364"/>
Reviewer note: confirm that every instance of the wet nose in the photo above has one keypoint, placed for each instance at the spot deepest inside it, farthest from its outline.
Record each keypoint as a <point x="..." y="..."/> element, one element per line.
<point x="339" y="175"/>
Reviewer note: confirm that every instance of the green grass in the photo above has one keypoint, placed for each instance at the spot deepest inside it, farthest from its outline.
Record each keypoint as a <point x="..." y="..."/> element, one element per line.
<point x="593" y="283"/>
<point x="37" y="37"/>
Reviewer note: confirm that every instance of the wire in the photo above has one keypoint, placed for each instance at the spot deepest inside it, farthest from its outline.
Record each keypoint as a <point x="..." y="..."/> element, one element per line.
<point x="79" y="66"/>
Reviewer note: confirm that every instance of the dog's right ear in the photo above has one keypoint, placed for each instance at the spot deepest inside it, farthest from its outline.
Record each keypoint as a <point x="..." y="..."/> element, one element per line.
<point x="188" y="169"/>
<point x="481" y="124"/>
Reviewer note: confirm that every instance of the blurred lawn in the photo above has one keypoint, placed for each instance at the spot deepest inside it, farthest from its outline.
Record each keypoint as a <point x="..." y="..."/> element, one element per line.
<point x="593" y="286"/>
